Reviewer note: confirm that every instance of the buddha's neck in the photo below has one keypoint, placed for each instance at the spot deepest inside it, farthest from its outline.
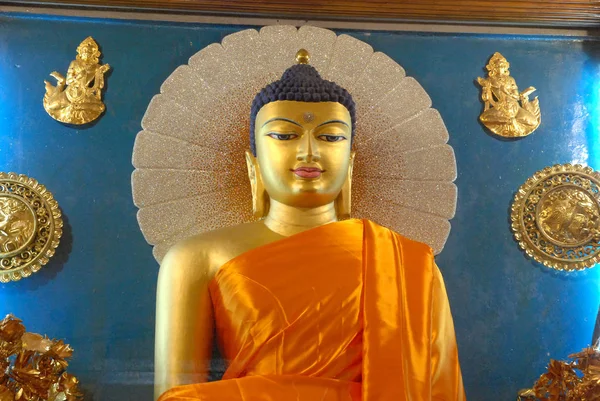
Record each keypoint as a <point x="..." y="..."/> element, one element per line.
<point x="288" y="220"/>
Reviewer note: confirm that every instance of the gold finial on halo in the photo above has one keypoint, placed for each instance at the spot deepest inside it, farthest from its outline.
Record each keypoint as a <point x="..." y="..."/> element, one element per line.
<point x="302" y="57"/>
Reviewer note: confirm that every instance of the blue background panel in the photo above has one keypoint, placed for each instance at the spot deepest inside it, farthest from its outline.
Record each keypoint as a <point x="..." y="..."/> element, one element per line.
<point x="98" y="292"/>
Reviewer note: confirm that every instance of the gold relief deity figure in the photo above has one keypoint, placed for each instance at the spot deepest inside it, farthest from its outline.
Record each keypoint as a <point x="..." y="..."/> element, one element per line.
<point x="77" y="99"/>
<point x="507" y="112"/>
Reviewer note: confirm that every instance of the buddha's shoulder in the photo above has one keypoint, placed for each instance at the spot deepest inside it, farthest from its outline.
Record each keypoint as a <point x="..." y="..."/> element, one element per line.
<point x="407" y="243"/>
<point x="416" y="246"/>
<point x="219" y="237"/>
<point x="212" y="249"/>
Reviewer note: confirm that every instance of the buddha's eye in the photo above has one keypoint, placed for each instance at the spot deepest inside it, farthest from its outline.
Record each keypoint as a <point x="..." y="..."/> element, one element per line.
<point x="332" y="138"/>
<point x="282" y="137"/>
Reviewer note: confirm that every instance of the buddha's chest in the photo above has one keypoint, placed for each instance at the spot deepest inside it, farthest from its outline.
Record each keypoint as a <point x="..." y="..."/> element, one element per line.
<point x="300" y="318"/>
<point x="310" y="304"/>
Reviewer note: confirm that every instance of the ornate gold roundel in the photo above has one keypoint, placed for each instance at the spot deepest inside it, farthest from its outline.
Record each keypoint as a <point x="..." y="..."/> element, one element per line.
<point x="556" y="217"/>
<point x="30" y="226"/>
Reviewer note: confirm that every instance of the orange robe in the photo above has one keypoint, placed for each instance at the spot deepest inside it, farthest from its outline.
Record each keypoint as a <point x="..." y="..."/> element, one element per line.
<point x="343" y="312"/>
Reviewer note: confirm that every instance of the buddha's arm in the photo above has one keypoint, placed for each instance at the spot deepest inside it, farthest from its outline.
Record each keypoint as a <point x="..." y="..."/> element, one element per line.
<point x="446" y="378"/>
<point x="184" y="319"/>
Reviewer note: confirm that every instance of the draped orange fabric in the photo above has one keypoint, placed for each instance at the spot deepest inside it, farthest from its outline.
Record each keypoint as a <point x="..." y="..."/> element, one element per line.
<point x="343" y="312"/>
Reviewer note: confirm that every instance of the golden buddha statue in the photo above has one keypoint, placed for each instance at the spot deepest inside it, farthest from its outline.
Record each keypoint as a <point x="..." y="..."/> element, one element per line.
<point x="304" y="305"/>
<point x="77" y="99"/>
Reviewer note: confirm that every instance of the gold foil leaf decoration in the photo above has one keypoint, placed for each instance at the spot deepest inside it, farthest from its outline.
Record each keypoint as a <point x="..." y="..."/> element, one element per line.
<point x="30" y="227"/>
<point x="77" y="99"/>
<point x="11" y="330"/>
<point x="6" y="394"/>
<point x="33" y="367"/>
<point x="555" y="217"/>
<point x="576" y="380"/>
<point x="507" y="112"/>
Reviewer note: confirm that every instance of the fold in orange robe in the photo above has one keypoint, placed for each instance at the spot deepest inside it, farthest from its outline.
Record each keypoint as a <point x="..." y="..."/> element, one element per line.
<point x="343" y="312"/>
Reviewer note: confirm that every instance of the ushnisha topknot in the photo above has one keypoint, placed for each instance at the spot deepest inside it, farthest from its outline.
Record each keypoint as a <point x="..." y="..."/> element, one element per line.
<point x="302" y="83"/>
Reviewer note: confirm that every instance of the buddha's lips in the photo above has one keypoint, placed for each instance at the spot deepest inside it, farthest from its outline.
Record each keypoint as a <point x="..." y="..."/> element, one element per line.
<point x="308" y="172"/>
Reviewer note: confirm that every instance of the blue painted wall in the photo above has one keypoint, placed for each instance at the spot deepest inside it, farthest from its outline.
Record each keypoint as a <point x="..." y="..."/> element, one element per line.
<point x="511" y="314"/>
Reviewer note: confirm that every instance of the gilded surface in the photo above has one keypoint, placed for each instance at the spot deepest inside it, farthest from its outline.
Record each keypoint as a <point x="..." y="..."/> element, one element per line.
<point x="556" y="217"/>
<point x="507" y="112"/>
<point x="17" y="225"/>
<point x="33" y="367"/>
<point x="568" y="216"/>
<point x="77" y="99"/>
<point x="30" y="226"/>
<point x="576" y="380"/>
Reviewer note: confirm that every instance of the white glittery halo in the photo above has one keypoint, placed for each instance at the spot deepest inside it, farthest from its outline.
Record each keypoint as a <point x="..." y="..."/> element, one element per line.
<point x="190" y="174"/>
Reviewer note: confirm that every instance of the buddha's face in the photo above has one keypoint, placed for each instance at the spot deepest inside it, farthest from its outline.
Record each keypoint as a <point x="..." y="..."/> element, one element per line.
<point x="303" y="151"/>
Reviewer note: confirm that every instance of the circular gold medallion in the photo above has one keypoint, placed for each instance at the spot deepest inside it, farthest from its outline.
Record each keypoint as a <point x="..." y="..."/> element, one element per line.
<point x="30" y="226"/>
<point x="556" y="217"/>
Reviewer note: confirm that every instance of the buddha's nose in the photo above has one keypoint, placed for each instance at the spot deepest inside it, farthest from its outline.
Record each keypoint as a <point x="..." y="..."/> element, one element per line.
<point x="308" y="149"/>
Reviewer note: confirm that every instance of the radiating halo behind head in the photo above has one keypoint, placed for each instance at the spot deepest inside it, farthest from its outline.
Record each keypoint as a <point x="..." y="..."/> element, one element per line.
<point x="190" y="179"/>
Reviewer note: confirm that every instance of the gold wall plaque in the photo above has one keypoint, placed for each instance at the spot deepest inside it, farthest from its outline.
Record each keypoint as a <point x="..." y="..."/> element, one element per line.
<point x="556" y="217"/>
<point x="507" y="112"/>
<point x="30" y="226"/>
<point x="77" y="99"/>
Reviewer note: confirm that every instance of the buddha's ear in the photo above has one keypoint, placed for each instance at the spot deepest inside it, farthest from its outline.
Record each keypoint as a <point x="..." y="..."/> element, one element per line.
<point x="260" y="198"/>
<point x="343" y="202"/>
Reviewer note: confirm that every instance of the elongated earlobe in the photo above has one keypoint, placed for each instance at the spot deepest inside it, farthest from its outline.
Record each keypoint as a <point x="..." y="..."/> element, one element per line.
<point x="343" y="202"/>
<point x="260" y="198"/>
